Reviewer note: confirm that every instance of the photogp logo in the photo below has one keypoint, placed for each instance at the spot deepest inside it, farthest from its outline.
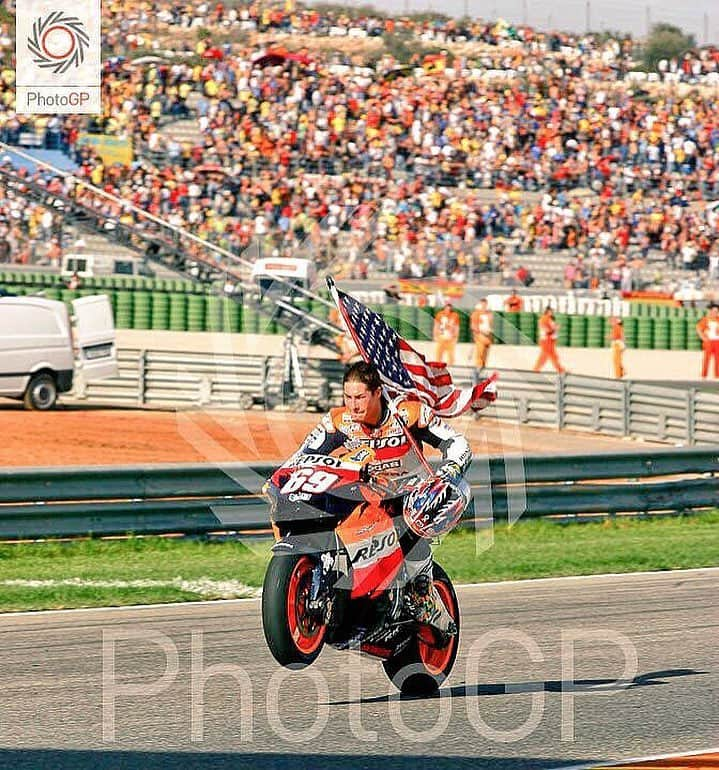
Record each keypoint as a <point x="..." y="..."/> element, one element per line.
<point x="58" y="42"/>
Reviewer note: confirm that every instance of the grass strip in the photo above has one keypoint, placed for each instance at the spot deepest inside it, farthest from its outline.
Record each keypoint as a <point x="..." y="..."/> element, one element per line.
<point x="540" y="548"/>
<point x="86" y="573"/>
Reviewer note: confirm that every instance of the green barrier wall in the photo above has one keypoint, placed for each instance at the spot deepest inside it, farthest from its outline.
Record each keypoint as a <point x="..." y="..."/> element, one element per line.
<point x="645" y="333"/>
<point x="630" y="331"/>
<point x="160" y="310"/>
<point x="511" y="329"/>
<point x="407" y="326"/>
<point x="195" y="313"/>
<point x="578" y="331"/>
<point x="596" y="331"/>
<point x="528" y="328"/>
<point x="563" y="323"/>
<point x="425" y="324"/>
<point x="182" y="310"/>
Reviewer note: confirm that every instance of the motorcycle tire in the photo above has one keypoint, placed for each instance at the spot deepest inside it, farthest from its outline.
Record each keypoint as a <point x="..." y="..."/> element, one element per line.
<point x="294" y="637"/>
<point x="422" y="666"/>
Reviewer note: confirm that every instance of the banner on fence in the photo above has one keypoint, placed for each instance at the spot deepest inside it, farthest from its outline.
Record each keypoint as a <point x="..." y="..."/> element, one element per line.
<point x="112" y="149"/>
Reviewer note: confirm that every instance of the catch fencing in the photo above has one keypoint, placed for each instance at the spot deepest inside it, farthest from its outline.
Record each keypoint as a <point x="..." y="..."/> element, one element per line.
<point x="676" y="414"/>
<point x="206" y="499"/>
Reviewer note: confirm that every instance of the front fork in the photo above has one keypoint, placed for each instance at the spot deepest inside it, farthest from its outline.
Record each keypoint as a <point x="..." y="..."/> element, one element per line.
<point x="318" y="599"/>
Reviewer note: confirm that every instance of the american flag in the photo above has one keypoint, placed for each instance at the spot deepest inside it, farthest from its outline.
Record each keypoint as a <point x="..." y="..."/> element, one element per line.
<point x="402" y="368"/>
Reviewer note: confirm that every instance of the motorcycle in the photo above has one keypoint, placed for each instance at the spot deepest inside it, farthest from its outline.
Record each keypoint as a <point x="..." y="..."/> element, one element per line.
<point x="338" y="573"/>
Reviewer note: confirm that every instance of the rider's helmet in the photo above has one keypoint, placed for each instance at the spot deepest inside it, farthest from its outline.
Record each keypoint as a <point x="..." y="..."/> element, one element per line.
<point x="435" y="506"/>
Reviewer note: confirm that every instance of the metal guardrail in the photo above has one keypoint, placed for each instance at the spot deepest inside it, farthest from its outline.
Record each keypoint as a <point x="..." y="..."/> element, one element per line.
<point x="674" y="414"/>
<point x="202" y="499"/>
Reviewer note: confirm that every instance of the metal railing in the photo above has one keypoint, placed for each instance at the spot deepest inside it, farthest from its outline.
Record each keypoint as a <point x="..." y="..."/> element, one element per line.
<point x="677" y="414"/>
<point x="205" y="499"/>
<point x="177" y="247"/>
<point x="471" y="171"/>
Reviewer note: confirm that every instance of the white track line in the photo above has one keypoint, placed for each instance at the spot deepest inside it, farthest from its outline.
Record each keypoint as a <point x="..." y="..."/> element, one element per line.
<point x="619" y="762"/>
<point x="204" y="586"/>
<point x="532" y="581"/>
<point x="526" y="581"/>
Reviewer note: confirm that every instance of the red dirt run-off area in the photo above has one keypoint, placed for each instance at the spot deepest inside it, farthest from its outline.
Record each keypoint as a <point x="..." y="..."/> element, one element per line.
<point x="82" y="435"/>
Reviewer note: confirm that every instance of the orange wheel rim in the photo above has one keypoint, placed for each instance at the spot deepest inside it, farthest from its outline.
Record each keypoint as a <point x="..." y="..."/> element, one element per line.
<point x="436" y="659"/>
<point x="307" y="632"/>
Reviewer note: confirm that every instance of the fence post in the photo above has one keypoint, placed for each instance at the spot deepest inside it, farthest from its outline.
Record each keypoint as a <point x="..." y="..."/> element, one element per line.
<point x="141" y="377"/>
<point x="626" y="407"/>
<point x="560" y="401"/>
<point x="523" y="409"/>
<point x="691" y="415"/>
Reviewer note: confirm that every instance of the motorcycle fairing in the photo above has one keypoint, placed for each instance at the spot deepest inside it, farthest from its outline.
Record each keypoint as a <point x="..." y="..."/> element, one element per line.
<point x="372" y="543"/>
<point x="307" y="542"/>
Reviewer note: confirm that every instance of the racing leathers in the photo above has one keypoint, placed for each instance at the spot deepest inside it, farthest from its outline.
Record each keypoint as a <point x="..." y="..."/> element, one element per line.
<point x="393" y="456"/>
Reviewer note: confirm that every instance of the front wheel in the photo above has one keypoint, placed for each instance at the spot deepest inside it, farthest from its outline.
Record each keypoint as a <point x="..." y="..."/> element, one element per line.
<point x="294" y="635"/>
<point x="426" y="662"/>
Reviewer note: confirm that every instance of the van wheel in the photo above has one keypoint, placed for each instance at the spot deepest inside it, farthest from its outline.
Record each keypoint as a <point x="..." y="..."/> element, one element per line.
<point x="41" y="393"/>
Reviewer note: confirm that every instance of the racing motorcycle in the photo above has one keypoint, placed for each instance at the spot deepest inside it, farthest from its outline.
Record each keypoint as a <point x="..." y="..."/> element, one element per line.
<point x="338" y="574"/>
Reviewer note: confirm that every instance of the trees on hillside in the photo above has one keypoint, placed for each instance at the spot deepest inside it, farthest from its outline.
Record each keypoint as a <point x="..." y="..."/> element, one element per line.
<point x="666" y="42"/>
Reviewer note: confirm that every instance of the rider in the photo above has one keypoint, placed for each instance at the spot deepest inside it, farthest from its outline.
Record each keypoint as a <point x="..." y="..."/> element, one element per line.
<point x="366" y="420"/>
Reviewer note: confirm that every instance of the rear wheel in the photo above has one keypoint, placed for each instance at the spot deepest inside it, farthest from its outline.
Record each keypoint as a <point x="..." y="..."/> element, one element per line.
<point x="294" y="635"/>
<point x="428" y="659"/>
<point x="41" y="392"/>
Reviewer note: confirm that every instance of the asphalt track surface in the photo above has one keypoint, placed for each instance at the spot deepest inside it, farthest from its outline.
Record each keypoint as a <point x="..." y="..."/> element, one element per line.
<point x="535" y="685"/>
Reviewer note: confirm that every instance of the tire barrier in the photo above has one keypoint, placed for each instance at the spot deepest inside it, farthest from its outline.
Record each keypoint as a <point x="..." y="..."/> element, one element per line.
<point x="141" y="310"/>
<point x="178" y="305"/>
<point x="577" y="331"/>
<point x="596" y="331"/>
<point x="160" y="311"/>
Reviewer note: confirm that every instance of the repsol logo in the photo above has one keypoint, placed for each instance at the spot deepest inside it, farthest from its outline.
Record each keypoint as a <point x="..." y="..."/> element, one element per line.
<point x="376" y="546"/>
<point x="326" y="460"/>
<point x="386" y="441"/>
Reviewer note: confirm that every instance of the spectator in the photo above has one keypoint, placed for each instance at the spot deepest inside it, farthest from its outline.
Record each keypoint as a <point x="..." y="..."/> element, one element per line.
<point x="524" y="276"/>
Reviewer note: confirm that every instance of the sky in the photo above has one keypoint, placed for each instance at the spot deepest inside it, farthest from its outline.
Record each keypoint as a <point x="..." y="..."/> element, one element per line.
<point x="693" y="16"/>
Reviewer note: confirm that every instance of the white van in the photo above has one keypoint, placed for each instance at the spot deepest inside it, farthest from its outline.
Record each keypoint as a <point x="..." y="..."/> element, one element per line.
<point x="300" y="272"/>
<point x="37" y="354"/>
<point x="90" y="265"/>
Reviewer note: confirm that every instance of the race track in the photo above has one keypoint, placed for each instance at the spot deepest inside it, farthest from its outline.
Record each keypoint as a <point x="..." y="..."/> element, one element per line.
<point x="133" y="688"/>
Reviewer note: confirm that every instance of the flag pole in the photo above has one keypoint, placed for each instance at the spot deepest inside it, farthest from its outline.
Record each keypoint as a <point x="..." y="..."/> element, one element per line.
<point x="390" y="402"/>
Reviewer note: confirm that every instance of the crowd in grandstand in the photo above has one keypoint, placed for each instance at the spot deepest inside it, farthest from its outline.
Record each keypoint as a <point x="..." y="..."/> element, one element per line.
<point x="386" y="165"/>
<point x="29" y="233"/>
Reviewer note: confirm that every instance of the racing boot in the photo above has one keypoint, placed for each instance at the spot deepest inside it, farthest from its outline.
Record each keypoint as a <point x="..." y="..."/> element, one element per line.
<point x="426" y="605"/>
